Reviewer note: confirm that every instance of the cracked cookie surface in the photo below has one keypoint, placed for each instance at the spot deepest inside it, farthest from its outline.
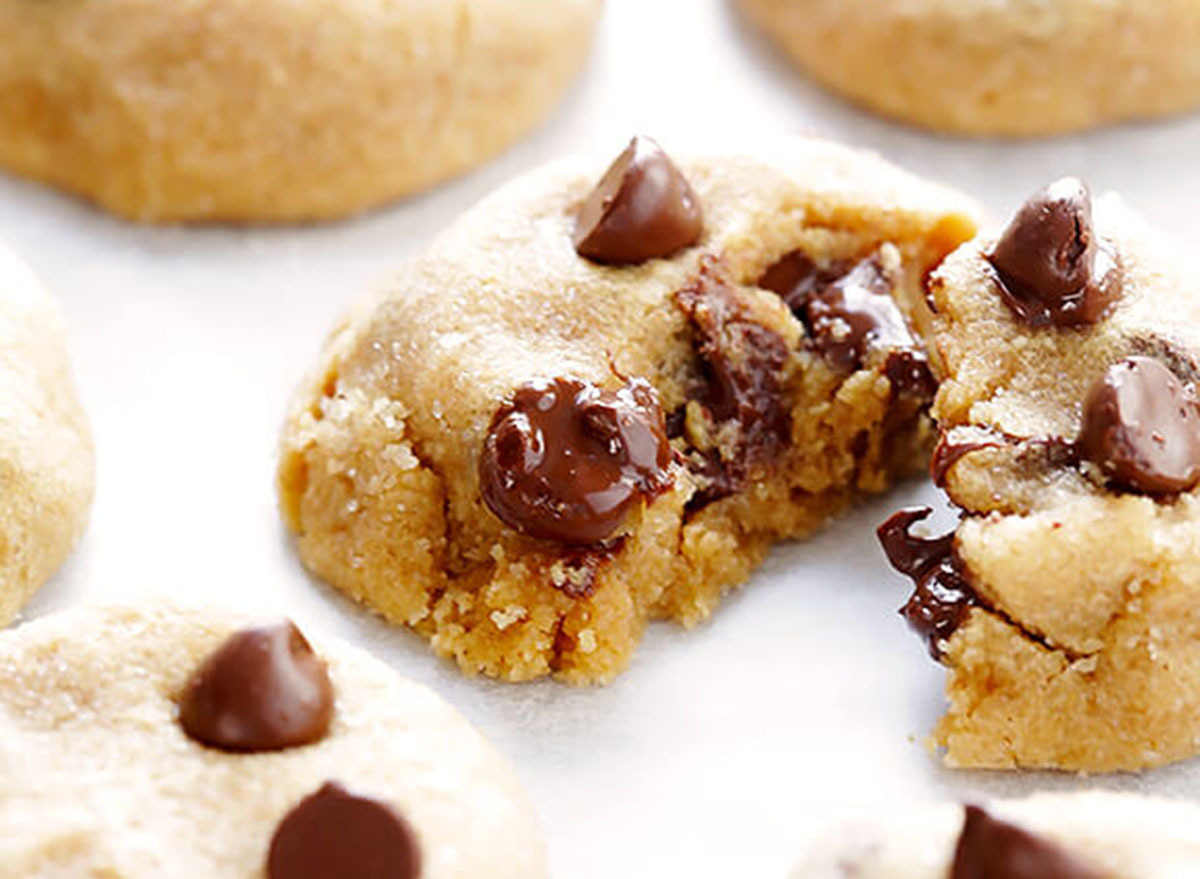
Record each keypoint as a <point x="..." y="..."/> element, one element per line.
<point x="167" y="741"/>
<point x="274" y="111"/>
<point x="782" y="380"/>
<point x="1066" y="607"/>
<point x="1091" y="835"/>
<point x="1016" y="68"/>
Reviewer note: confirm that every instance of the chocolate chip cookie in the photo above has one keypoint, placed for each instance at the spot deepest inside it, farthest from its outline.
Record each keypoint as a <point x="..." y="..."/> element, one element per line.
<point x="600" y="396"/>
<point x="159" y="741"/>
<point x="1017" y="68"/>
<point x="1065" y="602"/>
<point x="275" y="111"/>
<point x="1048" y="836"/>
<point x="46" y="459"/>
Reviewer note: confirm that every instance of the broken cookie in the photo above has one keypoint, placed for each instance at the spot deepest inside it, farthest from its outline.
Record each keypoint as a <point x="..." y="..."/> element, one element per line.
<point x="590" y="404"/>
<point x="1065" y="602"/>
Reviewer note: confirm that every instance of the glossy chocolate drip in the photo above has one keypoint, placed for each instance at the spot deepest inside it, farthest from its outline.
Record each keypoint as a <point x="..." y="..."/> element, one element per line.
<point x="643" y="208"/>
<point x="263" y="689"/>
<point x="943" y="596"/>
<point x="565" y="460"/>
<point x="848" y="311"/>
<point x="1050" y="267"/>
<point x="989" y="848"/>
<point x="333" y="832"/>
<point x="1141" y="427"/>
<point x="946" y="454"/>
<point x="741" y="362"/>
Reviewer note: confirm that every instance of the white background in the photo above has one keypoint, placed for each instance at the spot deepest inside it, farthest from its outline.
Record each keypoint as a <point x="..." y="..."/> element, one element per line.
<point x="720" y="750"/>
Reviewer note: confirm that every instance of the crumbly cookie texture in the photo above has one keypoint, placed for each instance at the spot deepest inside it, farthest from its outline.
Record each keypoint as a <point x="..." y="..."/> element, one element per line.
<point x="1022" y="68"/>
<point x="46" y="466"/>
<point x="722" y="417"/>
<point x="226" y="110"/>
<point x="100" y="777"/>
<point x="1090" y="835"/>
<point x="1065" y="607"/>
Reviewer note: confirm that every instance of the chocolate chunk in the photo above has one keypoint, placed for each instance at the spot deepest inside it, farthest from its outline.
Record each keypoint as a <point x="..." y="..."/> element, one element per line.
<point x="795" y="276"/>
<point x="1051" y="267"/>
<point x="564" y="460"/>
<point x="335" y="833"/>
<point x="992" y="849"/>
<point x="848" y="311"/>
<point x="908" y="371"/>
<point x="1141" y="427"/>
<point x="943" y="596"/>
<point x="643" y="208"/>
<point x="262" y="690"/>
<point x="741" y="364"/>
<point x="854" y="313"/>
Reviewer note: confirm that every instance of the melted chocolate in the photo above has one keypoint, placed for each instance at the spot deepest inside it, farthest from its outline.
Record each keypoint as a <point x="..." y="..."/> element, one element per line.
<point x="565" y="460"/>
<point x="848" y="311"/>
<point x="263" y="689"/>
<point x="1051" y="268"/>
<point x="909" y="373"/>
<point x="943" y="596"/>
<point x="334" y="833"/>
<point x="795" y="276"/>
<point x="989" y="848"/>
<point x="1141" y="427"/>
<point x="946" y="454"/>
<point x="741" y="362"/>
<point x="643" y="208"/>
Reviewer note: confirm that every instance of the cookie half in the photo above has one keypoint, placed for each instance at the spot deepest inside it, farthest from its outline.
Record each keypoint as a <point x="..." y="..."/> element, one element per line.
<point x="1065" y="603"/>
<point x="1023" y="68"/>
<point x="154" y="741"/>
<point x="1048" y="836"/>
<point x="599" y="397"/>
<point x="222" y="110"/>
<point x="46" y="459"/>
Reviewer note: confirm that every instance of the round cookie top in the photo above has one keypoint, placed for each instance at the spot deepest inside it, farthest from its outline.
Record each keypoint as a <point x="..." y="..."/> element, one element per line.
<point x="503" y="298"/>
<point x="153" y="741"/>
<point x="273" y="110"/>
<point x="984" y="67"/>
<point x="46" y="457"/>
<point x="1091" y="835"/>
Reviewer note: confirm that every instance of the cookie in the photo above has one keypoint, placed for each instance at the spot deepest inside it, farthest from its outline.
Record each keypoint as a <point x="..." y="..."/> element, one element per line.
<point x="161" y="741"/>
<point x="1090" y="835"/>
<point x="46" y="466"/>
<point x="589" y="404"/>
<point x="1065" y="604"/>
<point x="220" y="110"/>
<point x="1022" y="68"/>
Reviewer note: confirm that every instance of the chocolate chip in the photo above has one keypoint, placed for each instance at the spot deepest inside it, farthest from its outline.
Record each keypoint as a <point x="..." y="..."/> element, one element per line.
<point x="741" y="365"/>
<point x="1141" y="427"/>
<point x="943" y="596"/>
<point x="992" y="849"/>
<point x="564" y="460"/>
<point x="643" y="208"/>
<point x="1051" y="267"/>
<point x="335" y="833"/>
<point x="848" y="311"/>
<point x="263" y="689"/>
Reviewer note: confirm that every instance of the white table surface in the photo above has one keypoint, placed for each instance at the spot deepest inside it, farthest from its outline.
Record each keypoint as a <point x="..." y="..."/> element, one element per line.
<point x="720" y="750"/>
